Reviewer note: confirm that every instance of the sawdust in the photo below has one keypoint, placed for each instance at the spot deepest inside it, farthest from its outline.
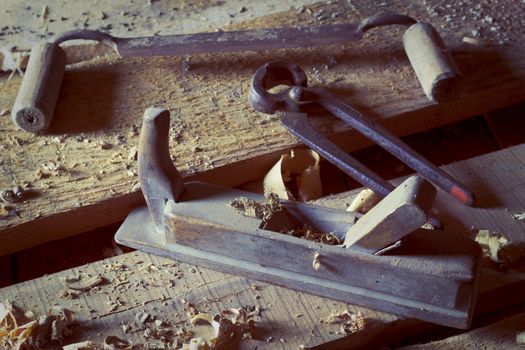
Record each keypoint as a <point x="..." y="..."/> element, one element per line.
<point x="115" y="343"/>
<point x="520" y="215"/>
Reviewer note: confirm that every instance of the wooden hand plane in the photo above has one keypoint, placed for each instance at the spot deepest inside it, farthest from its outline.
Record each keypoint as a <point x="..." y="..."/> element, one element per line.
<point x="431" y="275"/>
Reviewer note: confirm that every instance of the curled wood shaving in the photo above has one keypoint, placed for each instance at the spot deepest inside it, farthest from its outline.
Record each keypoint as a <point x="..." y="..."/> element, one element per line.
<point x="350" y="322"/>
<point x="258" y="210"/>
<point x="316" y="263"/>
<point x="7" y="321"/>
<point x="85" y="284"/>
<point x="274" y="210"/>
<point x="53" y="328"/>
<point x="13" y="335"/>
<point x="20" y="335"/>
<point x="191" y="310"/>
<point x="115" y="343"/>
<point x="229" y="324"/>
<point x="498" y="248"/>
<point x="295" y="176"/>
<point x="49" y="328"/>
<point x="520" y="215"/>
<point x="142" y="317"/>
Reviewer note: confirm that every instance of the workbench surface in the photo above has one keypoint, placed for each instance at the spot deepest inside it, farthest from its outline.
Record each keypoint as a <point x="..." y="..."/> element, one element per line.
<point x="138" y="282"/>
<point x="82" y="174"/>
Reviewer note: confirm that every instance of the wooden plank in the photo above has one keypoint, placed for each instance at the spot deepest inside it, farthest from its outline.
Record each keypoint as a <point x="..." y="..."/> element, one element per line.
<point x="215" y="135"/>
<point x="499" y="335"/>
<point x="292" y="316"/>
<point x="161" y="287"/>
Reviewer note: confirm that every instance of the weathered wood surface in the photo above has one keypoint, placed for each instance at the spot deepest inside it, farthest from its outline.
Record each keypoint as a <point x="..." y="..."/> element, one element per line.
<point x="83" y="174"/>
<point x="498" y="180"/>
<point x="25" y="22"/>
<point x="158" y="285"/>
<point x="500" y="335"/>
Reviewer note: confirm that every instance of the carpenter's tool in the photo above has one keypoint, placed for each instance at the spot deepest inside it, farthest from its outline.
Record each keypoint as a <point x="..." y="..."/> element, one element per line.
<point x="291" y="101"/>
<point x="36" y="100"/>
<point x="431" y="276"/>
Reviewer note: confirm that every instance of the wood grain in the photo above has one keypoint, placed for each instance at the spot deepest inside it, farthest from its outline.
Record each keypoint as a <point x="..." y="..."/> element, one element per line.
<point x="143" y="282"/>
<point x="80" y="174"/>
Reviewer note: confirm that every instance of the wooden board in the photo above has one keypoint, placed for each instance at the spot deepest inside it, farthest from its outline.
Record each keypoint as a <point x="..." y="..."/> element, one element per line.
<point x="77" y="185"/>
<point x="144" y="284"/>
<point x="500" y="335"/>
<point x="25" y="23"/>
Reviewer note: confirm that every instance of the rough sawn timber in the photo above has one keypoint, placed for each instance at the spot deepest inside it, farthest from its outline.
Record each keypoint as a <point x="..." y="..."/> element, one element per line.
<point x="82" y="175"/>
<point x="137" y="282"/>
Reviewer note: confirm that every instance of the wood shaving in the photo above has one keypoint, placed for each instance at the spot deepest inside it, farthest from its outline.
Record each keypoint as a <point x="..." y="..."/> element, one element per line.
<point x="311" y="234"/>
<point x="67" y="294"/>
<point x="14" y="195"/>
<point x="520" y="215"/>
<point x="6" y="211"/>
<point x="274" y="210"/>
<point x="295" y="176"/>
<point x="350" y="322"/>
<point x="115" y="343"/>
<point x="316" y="263"/>
<point x="498" y="248"/>
<point x="365" y="200"/>
<point x="47" y="329"/>
<point x="84" y="345"/>
<point x="473" y="41"/>
<point x="191" y="310"/>
<point x="84" y="285"/>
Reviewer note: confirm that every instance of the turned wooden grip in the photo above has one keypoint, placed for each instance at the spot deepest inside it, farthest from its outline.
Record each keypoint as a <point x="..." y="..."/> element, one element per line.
<point x="38" y="94"/>
<point x="438" y="74"/>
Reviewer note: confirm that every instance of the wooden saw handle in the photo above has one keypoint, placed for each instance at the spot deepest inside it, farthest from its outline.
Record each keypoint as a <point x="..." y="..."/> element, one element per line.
<point x="36" y="100"/>
<point x="438" y="74"/>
